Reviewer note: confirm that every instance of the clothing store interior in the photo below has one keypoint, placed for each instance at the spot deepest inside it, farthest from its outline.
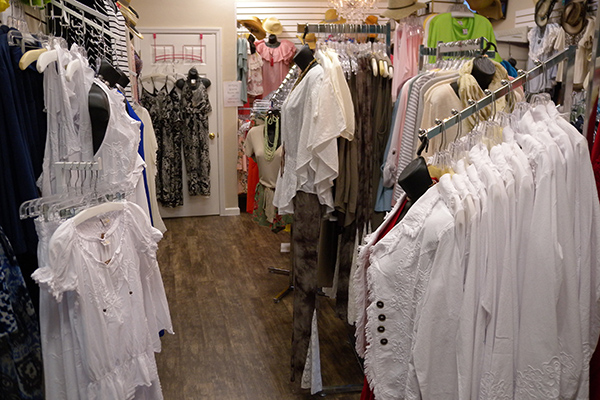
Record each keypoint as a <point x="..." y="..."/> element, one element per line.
<point x="288" y="200"/>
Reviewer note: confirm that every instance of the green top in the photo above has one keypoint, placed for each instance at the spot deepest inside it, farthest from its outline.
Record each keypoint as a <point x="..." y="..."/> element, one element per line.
<point x="445" y="28"/>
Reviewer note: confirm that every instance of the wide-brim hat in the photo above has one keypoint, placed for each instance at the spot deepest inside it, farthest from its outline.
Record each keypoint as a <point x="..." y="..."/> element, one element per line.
<point x="131" y="17"/>
<point x="398" y="9"/>
<point x="272" y="26"/>
<point x="332" y="17"/>
<point x="573" y="17"/>
<point x="254" y="26"/>
<point x="543" y="9"/>
<point x="310" y="40"/>
<point x="487" y="8"/>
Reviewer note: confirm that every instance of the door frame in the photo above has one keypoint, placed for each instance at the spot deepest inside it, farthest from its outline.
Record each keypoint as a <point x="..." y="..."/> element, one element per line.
<point x="219" y="106"/>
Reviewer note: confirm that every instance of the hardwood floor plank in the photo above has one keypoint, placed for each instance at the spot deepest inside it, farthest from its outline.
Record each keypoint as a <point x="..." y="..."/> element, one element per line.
<point x="231" y="340"/>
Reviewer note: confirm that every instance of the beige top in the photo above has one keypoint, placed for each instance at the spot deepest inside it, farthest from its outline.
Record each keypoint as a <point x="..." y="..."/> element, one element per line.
<point x="255" y="147"/>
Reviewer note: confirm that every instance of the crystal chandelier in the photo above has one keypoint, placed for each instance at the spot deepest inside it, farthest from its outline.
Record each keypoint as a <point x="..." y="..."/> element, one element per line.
<point x="355" y="11"/>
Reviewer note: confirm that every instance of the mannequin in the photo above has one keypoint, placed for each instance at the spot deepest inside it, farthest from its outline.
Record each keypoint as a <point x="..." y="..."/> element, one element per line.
<point x="483" y="72"/>
<point x="304" y="57"/>
<point x="98" y="102"/>
<point x="193" y="78"/>
<point x="251" y="40"/>
<point x="272" y="42"/>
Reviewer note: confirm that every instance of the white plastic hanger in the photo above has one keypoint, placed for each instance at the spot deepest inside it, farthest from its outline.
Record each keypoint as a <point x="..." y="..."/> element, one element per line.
<point x="72" y="67"/>
<point x="97" y="210"/>
<point x="46" y="59"/>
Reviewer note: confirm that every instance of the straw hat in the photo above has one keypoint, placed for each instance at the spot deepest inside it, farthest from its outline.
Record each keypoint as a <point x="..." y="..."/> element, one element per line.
<point x="398" y="9"/>
<point x="254" y="26"/>
<point x="573" y="17"/>
<point x="272" y="26"/>
<point x="487" y="8"/>
<point x="332" y="17"/>
<point x="310" y="40"/>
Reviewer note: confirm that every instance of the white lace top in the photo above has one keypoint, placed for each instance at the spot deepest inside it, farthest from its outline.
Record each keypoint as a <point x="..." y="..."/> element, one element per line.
<point x="116" y="300"/>
<point x="311" y="120"/>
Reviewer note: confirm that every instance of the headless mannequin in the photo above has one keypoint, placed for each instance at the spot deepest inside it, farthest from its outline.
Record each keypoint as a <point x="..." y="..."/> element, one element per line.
<point x="414" y="180"/>
<point x="304" y="57"/>
<point x="98" y="103"/>
<point x="193" y="78"/>
<point x="272" y="42"/>
<point x="483" y="72"/>
<point x="251" y="40"/>
<point x="272" y="127"/>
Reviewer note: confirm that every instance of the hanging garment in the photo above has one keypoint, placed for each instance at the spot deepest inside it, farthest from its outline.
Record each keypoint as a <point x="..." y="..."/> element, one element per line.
<point x="242" y="67"/>
<point x="21" y="369"/>
<point x="116" y="300"/>
<point x="543" y="44"/>
<point x="195" y="108"/>
<point x="276" y="63"/>
<point x="491" y="295"/>
<point x="445" y="28"/>
<point x="150" y="150"/>
<point x="255" y="75"/>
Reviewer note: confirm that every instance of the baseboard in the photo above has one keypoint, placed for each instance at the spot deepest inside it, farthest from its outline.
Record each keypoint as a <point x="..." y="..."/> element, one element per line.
<point x="231" y="212"/>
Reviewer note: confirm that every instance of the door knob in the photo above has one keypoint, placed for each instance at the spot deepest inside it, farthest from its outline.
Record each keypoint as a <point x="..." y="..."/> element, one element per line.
<point x="211" y="136"/>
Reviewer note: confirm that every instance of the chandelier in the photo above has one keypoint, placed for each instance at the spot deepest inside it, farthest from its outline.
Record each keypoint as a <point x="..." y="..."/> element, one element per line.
<point x="354" y="11"/>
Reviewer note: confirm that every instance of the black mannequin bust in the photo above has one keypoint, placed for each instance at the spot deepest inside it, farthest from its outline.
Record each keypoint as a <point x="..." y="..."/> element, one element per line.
<point x="193" y="78"/>
<point x="483" y="71"/>
<point x="272" y="42"/>
<point x="99" y="107"/>
<point x="251" y="40"/>
<point x="98" y="103"/>
<point x="304" y="57"/>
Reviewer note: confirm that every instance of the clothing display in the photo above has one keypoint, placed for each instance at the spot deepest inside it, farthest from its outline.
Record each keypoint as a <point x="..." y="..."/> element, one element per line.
<point x="180" y="123"/>
<point x="116" y="311"/>
<point x="412" y="201"/>
<point x="276" y="63"/>
<point x="482" y="345"/>
<point x="445" y="28"/>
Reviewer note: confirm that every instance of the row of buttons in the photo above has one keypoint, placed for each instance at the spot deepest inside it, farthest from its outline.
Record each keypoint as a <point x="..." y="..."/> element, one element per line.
<point x="381" y="328"/>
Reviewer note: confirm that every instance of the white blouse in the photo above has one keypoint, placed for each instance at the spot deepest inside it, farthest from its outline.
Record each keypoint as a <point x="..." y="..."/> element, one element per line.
<point x="116" y="300"/>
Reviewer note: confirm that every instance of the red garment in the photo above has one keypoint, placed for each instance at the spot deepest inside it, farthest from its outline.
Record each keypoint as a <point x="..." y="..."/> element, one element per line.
<point x="367" y="394"/>
<point x="252" y="182"/>
<point x="595" y="376"/>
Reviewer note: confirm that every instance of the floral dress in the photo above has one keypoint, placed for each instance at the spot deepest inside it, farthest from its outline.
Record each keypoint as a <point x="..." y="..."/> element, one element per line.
<point x="195" y="108"/>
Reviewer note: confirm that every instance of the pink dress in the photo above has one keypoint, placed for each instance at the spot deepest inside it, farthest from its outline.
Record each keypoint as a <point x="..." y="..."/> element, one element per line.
<point x="276" y="63"/>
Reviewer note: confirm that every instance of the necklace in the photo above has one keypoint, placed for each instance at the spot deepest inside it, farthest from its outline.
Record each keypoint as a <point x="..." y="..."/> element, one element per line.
<point x="304" y="73"/>
<point x="271" y="147"/>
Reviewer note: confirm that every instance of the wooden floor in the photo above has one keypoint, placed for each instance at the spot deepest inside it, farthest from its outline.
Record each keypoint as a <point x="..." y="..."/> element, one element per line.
<point x="231" y="340"/>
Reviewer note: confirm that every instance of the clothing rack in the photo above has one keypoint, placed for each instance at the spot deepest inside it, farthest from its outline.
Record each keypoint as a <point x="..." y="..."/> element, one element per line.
<point x="291" y="73"/>
<point x="81" y="16"/>
<point x="463" y="48"/>
<point x="507" y="87"/>
<point x="349" y="28"/>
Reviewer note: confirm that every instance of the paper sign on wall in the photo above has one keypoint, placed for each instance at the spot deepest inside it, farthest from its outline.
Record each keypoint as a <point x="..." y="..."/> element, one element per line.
<point x="232" y="93"/>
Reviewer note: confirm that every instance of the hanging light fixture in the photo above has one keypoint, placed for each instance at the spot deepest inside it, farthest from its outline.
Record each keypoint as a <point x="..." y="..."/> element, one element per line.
<point x="355" y="11"/>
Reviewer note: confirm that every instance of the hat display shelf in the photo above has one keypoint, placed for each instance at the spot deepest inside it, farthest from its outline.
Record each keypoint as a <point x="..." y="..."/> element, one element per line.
<point x="339" y="29"/>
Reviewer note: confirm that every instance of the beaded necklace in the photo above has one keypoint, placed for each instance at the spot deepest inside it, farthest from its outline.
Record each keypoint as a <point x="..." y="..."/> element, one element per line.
<point x="271" y="147"/>
<point x="304" y="73"/>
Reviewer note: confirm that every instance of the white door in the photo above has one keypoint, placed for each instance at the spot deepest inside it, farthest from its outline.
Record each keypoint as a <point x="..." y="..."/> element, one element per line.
<point x="176" y="51"/>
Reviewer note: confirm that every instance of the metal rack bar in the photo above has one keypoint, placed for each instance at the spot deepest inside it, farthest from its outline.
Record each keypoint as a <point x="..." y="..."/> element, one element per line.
<point x="85" y="20"/>
<point x="349" y="28"/>
<point x="568" y="54"/>
<point x="81" y="7"/>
